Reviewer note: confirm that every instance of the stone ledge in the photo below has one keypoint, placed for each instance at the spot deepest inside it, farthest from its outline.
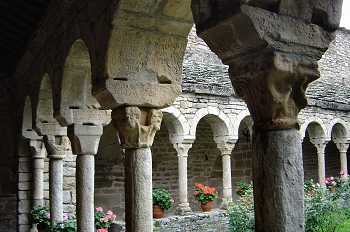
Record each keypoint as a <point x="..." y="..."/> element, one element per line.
<point x="215" y="221"/>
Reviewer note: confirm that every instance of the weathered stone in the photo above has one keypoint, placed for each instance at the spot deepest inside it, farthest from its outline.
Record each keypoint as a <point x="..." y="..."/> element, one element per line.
<point x="178" y="9"/>
<point x="140" y="6"/>
<point x="136" y="127"/>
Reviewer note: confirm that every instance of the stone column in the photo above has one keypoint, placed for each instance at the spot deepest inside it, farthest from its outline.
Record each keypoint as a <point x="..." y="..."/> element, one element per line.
<point x="136" y="128"/>
<point x="343" y="147"/>
<point x="85" y="140"/>
<point x="38" y="155"/>
<point x="56" y="153"/>
<point x="182" y="153"/>
<point x="226" y="149"/>
<point x="272" y="48"/>
<point x="321" y="163"/>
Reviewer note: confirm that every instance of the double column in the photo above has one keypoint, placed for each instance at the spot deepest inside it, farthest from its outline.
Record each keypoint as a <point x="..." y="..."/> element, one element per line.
<point x="320" y="146"/>
<point x="85" y="140"/>
<point x="182" y="153"/>
<point x="226" y="149"/>
<point x="38" y="155"/>
<point x="136" y="128"/>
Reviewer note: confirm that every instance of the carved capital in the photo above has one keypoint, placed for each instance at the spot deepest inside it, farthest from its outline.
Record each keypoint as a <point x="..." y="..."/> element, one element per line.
<point x="225" y="148"/>
<point x="136" y="126"/>
<point x="273" y="85"/>
<point x="342" y="147"/>
<point x="320" y="148"/>
<point x="182" y="148"/>
<point x="55" y="146"/>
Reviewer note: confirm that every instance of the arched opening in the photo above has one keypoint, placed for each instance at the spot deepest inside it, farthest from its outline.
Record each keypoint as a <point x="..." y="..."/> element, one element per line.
<point x="241" y="157"/>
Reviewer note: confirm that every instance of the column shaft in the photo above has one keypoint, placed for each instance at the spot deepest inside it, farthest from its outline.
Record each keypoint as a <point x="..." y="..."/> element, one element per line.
<point x="56" y="183"/>
<point x="85" y="174"/>
<point x="343" y="162"/>
<point x="38" y="179"/>
<point x="278" y="189"/>
<point x="321" y="168"/>
<point x="138" y="190"/>
<point x="226" y="178"/>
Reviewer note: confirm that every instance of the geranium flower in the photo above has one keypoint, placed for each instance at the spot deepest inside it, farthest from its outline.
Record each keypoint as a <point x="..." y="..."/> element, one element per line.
<point x="101" y="230"/>
<point x="48" y="215"/>
<point x="172" y="200"/>
<point x="342" y="173"/>
<point x="109" y="212"/>
<point x="99" y="209"/>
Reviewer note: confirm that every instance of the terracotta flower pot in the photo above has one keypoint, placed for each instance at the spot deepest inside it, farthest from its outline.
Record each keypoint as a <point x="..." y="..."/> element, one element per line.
<point x="157" y="211"/>
<point x="206" y="207"/>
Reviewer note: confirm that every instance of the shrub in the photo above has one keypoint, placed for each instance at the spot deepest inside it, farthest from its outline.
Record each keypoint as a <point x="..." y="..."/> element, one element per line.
<point x="162" y="198"/>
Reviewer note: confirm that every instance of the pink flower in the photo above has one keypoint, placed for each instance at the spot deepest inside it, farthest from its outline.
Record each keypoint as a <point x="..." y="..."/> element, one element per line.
<point x="342" y="173"/>
<point x="110" y="213"/>
<point x="334" y="183"/>
<point x="105" y="219"/>
<point x="101" y="230"/>
<point x="172" y="200"/>
<point x="331" y="178"/>
<point x="99" y="209"/>
<point x="114" y="217"/>
<point x="326" y="181"/>
<point x="48" y="215"/>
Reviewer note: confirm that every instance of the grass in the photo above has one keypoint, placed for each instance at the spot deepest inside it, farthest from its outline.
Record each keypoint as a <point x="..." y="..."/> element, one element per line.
<point x="346" y="227"/>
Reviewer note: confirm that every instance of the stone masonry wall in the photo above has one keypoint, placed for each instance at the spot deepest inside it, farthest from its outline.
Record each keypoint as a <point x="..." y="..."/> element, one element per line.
<point x="335" y="63"/>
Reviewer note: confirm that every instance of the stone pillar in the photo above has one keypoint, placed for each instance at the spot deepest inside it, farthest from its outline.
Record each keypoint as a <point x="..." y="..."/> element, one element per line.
<point x="38" y="155"/>
<point x="343" y="147"/>
<point x="182" y="153"/>
<point x="85" y="140"/>
<point x="321" y="163"/>
<point x="55" y="149"/>
<point x="272" y="49"/>
<point x="136" y="128"/>
<point x="226" y="149"/>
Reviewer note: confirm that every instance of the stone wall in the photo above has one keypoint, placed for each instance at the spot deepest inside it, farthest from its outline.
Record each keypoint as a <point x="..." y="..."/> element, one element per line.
<point x="214" y="221"/>
<point x="335" y="63"/>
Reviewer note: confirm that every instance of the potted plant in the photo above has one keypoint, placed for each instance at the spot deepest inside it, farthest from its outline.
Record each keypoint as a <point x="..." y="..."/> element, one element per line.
<point x="41" y="216"/>
<point x="67" y="225"/>
<point x="103" y="220"/>
<point x="333" y="182"/>
<point x="162" y="200"/>
<point x="244" y="188"/>
<point x="205" y="195"/>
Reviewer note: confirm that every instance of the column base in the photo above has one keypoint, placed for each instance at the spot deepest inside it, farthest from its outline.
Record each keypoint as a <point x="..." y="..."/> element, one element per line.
<point x="183" y="209"/>
<point x="225" y="202"/>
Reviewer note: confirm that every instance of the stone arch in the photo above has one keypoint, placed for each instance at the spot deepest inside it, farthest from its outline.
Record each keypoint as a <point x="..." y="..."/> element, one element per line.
<point x="338" y="131"/>
<point x="76" y="86"/>
<point x="316" y="129"/>
<point x="44" y="109"/>
<point x="146" y="45"/>
<point x="218" y="120"/>
<point x="177" y="124"/>
<point x="237" y="122"/>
